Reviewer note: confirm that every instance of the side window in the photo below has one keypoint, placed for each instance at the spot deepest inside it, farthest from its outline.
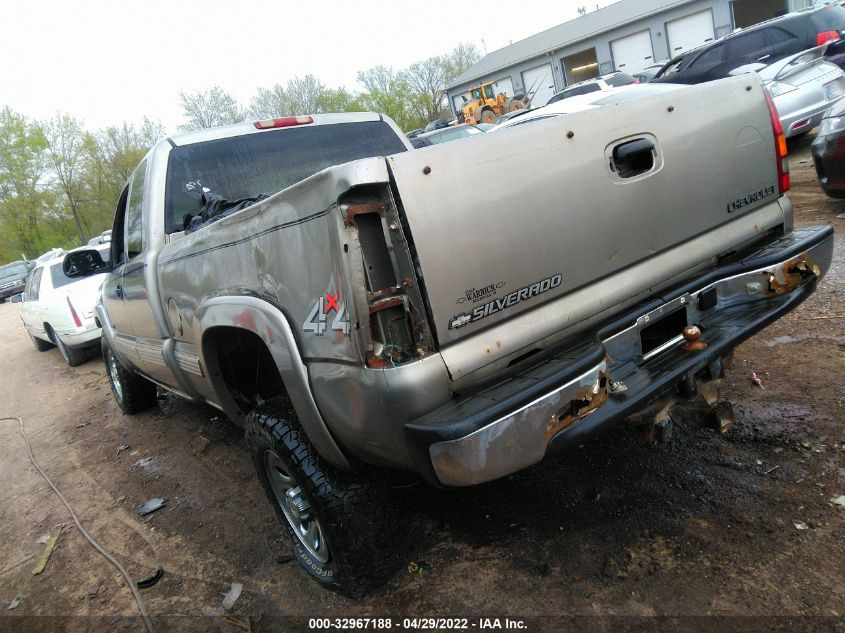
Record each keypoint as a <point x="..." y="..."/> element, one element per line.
<point x="781" y="42"/>
<point x="751" y="45"/>
<point x="32" y="284"/>
<point x="708" y="59"/>
<point x="591" y="88"/>
<point x="134" y="216"/>
<point x="118" y="251"/>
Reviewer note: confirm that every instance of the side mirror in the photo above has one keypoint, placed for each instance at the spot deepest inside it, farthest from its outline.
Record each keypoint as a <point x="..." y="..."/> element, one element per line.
<point x="85" y="263"/>
<point x="18" y="298"/>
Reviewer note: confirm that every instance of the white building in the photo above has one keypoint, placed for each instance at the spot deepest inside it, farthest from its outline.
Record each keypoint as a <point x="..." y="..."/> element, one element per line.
<point x="628" y="36"/>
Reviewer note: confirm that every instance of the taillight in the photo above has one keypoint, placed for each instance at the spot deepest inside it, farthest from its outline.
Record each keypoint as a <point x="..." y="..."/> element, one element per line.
<point x="780" y="145"/>
<point x="826" y="36"/>
<point x="287" y="121"/>
<point x="73" y="313"/>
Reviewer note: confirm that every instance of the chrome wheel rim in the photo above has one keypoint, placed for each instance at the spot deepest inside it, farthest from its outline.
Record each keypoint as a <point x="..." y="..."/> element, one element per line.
<point x="296" y="508"/>
<point x="114" y="376"/>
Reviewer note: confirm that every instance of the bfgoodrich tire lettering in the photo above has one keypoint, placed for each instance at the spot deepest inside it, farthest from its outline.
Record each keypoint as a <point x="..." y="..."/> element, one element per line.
<point x="353" y="510"/>
<point x="132" y="392"/>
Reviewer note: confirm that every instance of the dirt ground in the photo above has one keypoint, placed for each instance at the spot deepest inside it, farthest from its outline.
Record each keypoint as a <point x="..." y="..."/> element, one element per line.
<point x="617" y="534"/>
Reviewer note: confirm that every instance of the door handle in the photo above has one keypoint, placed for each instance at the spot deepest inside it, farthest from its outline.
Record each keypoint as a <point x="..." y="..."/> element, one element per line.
<point x="633" y="158"/>
<point x="118" y="291"/>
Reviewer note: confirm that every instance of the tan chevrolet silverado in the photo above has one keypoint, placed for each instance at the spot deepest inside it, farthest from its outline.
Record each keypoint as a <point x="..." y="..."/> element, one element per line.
<point x="363" y="308"/>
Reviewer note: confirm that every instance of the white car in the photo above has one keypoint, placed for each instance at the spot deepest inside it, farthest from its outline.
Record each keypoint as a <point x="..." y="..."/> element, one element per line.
<point x="606" y="97"/>
<point x="57" y="310"/>
<point x="604" y="83"/>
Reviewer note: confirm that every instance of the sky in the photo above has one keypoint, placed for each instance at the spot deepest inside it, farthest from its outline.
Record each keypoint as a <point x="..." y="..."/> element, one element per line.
<point x="106" y="62"/>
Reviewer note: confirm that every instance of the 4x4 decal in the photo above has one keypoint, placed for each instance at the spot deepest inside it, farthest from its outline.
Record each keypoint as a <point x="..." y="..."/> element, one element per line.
<point x="318" y="318"/>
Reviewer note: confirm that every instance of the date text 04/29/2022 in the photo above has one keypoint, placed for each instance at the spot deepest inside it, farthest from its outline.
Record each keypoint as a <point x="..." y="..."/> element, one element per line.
<point x="416" y="624"/>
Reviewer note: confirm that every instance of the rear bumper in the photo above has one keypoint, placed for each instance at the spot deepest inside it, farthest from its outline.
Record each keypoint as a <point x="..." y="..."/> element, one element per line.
<point x="576" y="394"/>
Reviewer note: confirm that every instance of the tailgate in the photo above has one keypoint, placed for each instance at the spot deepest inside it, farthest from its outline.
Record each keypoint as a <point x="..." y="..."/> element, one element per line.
<point x="504" y="223"/>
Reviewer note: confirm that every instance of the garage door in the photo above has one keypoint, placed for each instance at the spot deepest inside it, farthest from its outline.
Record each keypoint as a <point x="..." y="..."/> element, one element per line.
<point x="688" y="32"/>
<point x="632" y="53"/>
<point x="503" y="85"/>
<point x="540" y="82"/>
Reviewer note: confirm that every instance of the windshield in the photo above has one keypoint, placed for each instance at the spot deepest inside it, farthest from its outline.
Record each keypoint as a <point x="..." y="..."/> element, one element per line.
<point x="11" y="272"/>
<point x="246" y="166"/>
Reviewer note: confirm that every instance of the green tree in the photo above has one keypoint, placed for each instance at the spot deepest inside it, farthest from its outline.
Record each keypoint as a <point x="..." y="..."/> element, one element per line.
<point x="112" y="155"/>
<point x="25" y="207"/>
<point x="209" y="108"/>
<point x="388" y="92"/>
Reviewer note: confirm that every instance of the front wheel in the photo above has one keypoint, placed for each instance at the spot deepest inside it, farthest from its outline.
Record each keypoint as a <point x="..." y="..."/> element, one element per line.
<point x="133" y="393"/>
<point x="488" y="116"/>
<point x="338" y="524"/>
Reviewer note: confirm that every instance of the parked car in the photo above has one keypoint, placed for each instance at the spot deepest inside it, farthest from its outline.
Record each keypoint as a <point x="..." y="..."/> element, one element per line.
<point x="59" y="310"/>
<point x="373" y="314"/>
<point x="603" y="83"/>
<point x="12" y="278"/>
<point x="804" y="87"/>
<point x="649" y="72"/>
<point x="766" y="42"/>
<point x="48" y="255"/>
<point x="102" y="238"/>
<point x="507" y="116"/>
<point x="612" y="96"/>
<point x="829" y="151"/>
<point x="444" y="135"/>
<point x="436" y="125"/>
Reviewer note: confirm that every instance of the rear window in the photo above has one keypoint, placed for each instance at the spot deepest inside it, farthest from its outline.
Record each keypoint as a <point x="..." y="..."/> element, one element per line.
<point x="267" y="162"/>
<point x="57" y="275"/>
<point x="831" y="18"/>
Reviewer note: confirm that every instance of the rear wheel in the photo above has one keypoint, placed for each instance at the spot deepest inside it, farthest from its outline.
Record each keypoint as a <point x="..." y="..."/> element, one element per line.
<point x="133" y="393"/>
<point x="73" y="357"/>
<point x="338" y="523"/>
<point x="40" y="345"/>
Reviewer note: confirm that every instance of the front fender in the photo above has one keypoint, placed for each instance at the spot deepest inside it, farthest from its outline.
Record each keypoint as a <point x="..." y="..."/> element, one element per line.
<point x="270" y="325"/>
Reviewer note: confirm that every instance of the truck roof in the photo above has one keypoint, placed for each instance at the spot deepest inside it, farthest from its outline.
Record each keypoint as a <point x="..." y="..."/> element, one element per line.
<point x="240" y="129"/>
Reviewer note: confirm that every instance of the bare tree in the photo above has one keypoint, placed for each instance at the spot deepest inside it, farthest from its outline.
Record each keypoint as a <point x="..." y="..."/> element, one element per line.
<point x="460" y="59"/>
<point x="306" y="95"/>
<point x="428" y="80"/>
<point x="210" y="108"/>
<point x="66" y="153"/>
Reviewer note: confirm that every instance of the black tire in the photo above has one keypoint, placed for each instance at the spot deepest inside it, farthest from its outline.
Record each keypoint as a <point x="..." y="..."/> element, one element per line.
<point x="40" y="345"/>
<point x="488" y="116"/>
<point x="357" y="536"/>
<point x="133" y="393"/>
<point x="73" y="357"/>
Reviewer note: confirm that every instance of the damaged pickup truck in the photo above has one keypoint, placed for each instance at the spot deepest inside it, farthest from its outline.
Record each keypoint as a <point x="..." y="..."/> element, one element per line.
<point x="386" y="309"/>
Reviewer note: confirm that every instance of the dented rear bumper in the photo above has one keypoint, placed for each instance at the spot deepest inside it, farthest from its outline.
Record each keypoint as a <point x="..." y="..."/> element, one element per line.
<point x="586" y="389"/>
